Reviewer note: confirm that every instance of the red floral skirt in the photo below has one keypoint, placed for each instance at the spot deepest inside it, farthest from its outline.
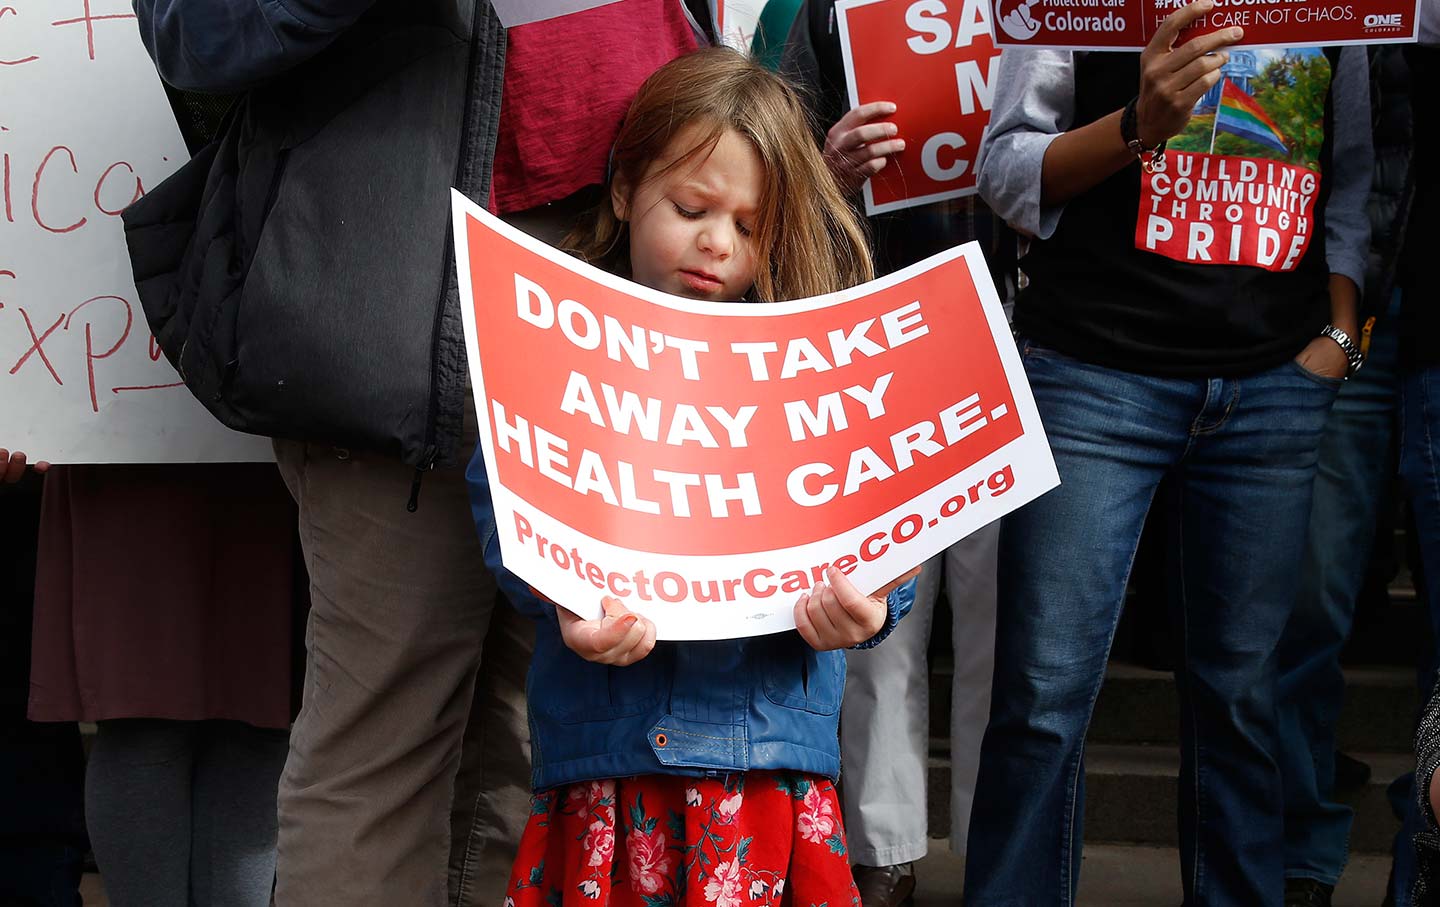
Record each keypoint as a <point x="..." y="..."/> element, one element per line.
<point x="739" y="840"/>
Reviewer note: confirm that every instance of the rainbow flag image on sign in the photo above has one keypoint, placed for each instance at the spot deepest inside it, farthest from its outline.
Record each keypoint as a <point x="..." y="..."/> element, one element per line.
<point x="1240" y="115"/>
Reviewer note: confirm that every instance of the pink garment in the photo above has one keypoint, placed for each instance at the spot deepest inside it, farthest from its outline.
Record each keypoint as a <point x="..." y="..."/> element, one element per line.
<point x="568" y="83"/>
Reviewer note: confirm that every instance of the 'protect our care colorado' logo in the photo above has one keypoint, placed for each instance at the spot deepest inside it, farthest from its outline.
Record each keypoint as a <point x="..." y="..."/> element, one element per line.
<point x="1017" y="19"/>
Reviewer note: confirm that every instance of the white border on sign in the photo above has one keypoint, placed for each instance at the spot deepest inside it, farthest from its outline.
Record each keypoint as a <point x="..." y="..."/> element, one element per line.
<point x="691" y="620"/>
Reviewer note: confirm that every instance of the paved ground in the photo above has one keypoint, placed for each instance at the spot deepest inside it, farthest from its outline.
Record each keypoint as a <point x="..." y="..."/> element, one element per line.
<point x="1113" y="876"/>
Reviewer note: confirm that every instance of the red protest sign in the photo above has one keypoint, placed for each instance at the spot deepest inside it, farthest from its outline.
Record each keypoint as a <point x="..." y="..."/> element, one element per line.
<point x="936" y="60"/>
<point x="1130" y="24"/>
<point x="705" y="463"/>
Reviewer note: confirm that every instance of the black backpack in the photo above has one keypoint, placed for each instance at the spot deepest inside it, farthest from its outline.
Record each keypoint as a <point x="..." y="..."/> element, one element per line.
<point x="297" y="271"/>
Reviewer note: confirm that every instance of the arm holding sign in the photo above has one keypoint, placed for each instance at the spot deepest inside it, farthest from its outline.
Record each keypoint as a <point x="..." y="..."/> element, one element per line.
<point x="1033" y="163"/>
<point x="621" y="637"/>
<point x="835" y="615"/>
<point x="1172" y="80"/>
<point x="228" y="46"/>
<point x="857" y="147"/>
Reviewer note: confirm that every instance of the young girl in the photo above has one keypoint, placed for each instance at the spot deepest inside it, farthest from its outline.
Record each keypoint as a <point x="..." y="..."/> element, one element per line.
<point x="699" y="772"/>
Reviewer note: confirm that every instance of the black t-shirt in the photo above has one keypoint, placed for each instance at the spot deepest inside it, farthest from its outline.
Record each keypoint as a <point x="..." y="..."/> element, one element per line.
<point x="1215" y="266"/>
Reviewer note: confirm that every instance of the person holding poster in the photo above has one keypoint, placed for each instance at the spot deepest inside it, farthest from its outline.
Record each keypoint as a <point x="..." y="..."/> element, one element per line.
<point x="664" y="772"/>
<point x="1199" y="239"/>
<point x="886" y="747"/>
<point x="328" y="259"/>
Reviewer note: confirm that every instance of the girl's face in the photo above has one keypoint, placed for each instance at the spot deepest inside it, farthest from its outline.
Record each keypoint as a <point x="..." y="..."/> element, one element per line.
<point x="692" y="227"/>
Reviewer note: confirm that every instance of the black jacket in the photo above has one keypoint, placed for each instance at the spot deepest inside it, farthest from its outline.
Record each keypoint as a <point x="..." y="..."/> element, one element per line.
<point x="298" y="272"/>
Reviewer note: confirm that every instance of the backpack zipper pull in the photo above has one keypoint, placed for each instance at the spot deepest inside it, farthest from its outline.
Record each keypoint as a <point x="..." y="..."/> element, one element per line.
<point x="427" y="463"/>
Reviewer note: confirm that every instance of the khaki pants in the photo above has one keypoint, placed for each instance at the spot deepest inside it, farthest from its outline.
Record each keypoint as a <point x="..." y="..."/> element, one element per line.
<point x="402" y="611"/>
<point x="885" y="718"/>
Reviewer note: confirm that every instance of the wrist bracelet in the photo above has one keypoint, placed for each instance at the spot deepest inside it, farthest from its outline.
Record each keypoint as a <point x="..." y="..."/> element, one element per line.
<point x="1152" y="160"/>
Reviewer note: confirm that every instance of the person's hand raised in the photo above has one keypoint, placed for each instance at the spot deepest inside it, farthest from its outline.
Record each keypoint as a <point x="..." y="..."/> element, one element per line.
<point x="834" y="615"/>
<point x="12" y="466"/>
<point x="620" y="637"/>
<point x="1173" y="78"/>
<point x="857" y="147"/>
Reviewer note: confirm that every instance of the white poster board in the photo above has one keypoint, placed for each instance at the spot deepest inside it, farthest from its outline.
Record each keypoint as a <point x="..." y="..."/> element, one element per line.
<point x="85" y="128"/>
<point x="706" y="463"/>
<point x="736" y="20"/>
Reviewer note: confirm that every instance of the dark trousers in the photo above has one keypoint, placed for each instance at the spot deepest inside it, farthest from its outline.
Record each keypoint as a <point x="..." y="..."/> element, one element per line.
<point x="42" y="767"/>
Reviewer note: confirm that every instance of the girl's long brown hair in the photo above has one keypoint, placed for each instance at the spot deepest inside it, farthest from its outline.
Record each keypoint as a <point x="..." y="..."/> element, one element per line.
<point x="808" y="239"/>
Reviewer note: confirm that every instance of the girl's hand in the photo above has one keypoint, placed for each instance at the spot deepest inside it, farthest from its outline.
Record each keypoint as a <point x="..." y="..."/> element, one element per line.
<point x="620" y="638"/>
<point x="837" y="616"/>
<point x="12" y="466"/>
<point x="857" y="149"/>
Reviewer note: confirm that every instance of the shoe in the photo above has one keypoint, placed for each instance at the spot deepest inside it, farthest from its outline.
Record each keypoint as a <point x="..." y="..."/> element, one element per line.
<point x="1307" y="893"/>
<point x="1350" y="773"/>
<point x="887" y="886"/>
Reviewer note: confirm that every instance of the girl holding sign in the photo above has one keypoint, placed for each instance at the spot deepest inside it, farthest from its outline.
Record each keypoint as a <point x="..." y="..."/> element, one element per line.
<point x="699" y="771"/>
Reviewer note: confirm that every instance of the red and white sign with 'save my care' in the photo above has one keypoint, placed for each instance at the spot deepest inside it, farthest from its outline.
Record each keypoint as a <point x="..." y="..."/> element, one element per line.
<point x="936" y="61"/>
<point x="1130" y="24"/>
<point x="705" y="463"/>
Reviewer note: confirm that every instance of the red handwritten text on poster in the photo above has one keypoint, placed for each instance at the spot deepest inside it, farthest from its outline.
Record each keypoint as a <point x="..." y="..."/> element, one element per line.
<point x="85" y="129"/>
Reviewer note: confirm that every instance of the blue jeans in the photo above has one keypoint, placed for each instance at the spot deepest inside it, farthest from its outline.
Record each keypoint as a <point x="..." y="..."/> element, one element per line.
<point x="1241" y="455"/>
<point x="1349" y="484"/>
<point x="1420" y="471"/>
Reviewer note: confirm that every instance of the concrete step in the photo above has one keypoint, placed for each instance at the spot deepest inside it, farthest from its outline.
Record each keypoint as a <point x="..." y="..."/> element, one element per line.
<point x="1140" y="706"/>
<point x="1117" y="875"/>
<point x="1130" y="795"/>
